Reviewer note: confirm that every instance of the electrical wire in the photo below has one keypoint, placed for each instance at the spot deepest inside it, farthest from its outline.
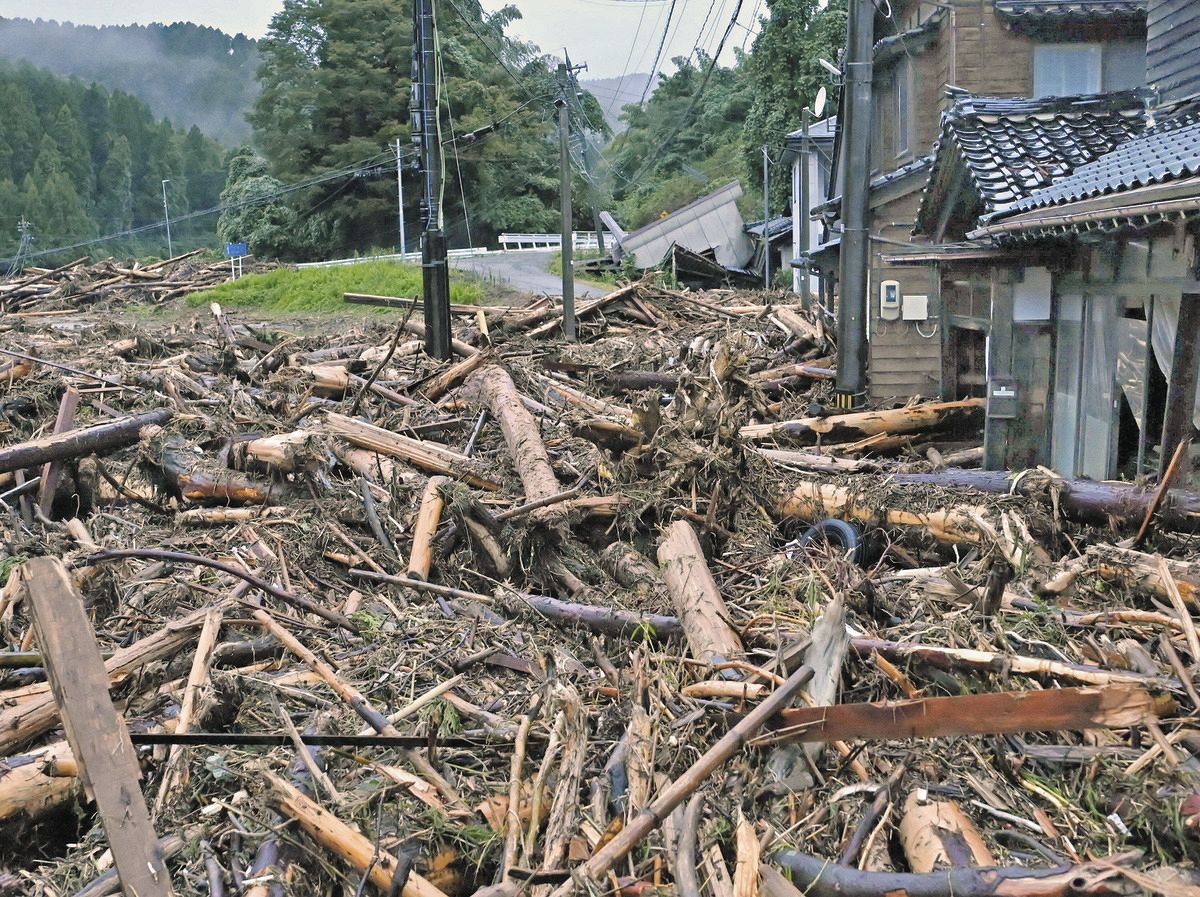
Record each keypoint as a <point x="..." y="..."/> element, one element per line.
<point x="658" y="54"/>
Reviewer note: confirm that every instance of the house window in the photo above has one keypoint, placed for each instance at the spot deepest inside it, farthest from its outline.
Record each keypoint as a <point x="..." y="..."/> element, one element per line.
<point x="1066" y="69"/>
<point x="1061" y="70"/>
<point x="903" y="118"/>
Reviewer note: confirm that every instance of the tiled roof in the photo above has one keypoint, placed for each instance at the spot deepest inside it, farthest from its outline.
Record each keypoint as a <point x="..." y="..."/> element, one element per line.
<point x="1168" y="151"/>
<point x="1009" y="148"/>
<point x="833" y="205"/>
<point x="1052" y="12"/>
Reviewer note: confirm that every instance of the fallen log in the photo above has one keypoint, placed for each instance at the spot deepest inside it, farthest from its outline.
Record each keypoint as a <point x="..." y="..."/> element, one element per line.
<point x="425" y="455"/>
<point x="493" y="387"/>
<point x="936" y="834"/>
<point x="1085" y="500"/>
<point x="601" y="620"/>
<point x="1118" y="706"/>
<point x="355" y="849"/>
<point x="192" y="477"/>
<point x="895" y="421"/>
<point x="98" y="440"/>
<point x="428" y="516"/>
<point x="956" y="524"/>
<point x="701" y="609"/>
<point x="821" y="878"/>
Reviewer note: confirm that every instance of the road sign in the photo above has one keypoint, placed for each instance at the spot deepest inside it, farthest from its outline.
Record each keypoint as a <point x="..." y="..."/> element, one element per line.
<point x="236" y="250"/>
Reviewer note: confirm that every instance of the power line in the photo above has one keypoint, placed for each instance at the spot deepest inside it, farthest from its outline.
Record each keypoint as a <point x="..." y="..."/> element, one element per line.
<point x="658" y="54"/>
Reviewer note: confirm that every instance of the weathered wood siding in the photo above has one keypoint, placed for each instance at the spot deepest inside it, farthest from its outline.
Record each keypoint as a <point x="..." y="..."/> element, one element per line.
<point x="1173" y="48"/>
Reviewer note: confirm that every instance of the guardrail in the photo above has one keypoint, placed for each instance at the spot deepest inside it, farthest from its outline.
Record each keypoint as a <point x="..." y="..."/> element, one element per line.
<point x="393" y="257"/>
<point x="580" y="239"/>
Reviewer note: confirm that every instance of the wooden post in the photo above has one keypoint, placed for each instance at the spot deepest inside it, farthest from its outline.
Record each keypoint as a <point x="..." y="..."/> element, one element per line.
<point x="1000" y="342"/>
<point x="1181" y="391"/>
<point x="97" y="735"/>
<point x="52" y="470"/>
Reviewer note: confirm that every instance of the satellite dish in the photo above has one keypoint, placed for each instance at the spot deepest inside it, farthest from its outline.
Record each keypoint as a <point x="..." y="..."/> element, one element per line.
<point x="819" y="102"/>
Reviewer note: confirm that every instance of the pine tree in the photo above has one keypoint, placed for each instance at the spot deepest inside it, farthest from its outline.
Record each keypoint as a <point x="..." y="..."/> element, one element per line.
<point x="114" y="202"/>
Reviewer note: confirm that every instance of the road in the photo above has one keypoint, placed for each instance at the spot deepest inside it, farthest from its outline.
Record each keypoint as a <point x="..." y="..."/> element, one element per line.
<point x="523" y="271"/>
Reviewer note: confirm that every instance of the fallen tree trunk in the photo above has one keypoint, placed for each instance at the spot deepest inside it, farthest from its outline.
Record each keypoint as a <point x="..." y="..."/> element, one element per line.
<point x="845" y="427"/>
<point x="1071" y="709"/>
<point x="1086" y="500"/>
<point x="602" y="620"/>
<point x="956" y="524"/>
<point x="425" y="455"/>
<point x="821" y="878"/>
<point x="194" y="478"/>
<point x="701" y="609"/>
<point x="493" y="387"/>
<point x="100" y="439"/>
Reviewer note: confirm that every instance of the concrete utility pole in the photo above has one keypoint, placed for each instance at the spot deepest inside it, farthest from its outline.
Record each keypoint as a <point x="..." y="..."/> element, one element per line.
<point x="435" y="273"/>
<point x="851" y="383"/>
<point x="564" y="176"/>
<point x="766" y="219"/>
<point x="167" y="218"/>
<point x="400" y="197"/>
<point x="588" y="152"/>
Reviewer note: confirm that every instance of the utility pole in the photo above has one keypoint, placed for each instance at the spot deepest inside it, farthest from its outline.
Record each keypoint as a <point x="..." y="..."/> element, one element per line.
<point x="167" y="218"/>
<point x="435" y="274"/>
<point x="564" y="176"/>
<point x="400" y="197"/>
<point x="588" y="152"/>
<point x="805" y="202"/>
<point x="851" y="382"/>
<point x="766" y="219"/>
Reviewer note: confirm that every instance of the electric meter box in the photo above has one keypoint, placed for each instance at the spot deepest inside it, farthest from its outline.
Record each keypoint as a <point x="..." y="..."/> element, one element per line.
<point x="914" y="307"/>
<point x="889" y="300"/>
<point x="1002" y="398"/>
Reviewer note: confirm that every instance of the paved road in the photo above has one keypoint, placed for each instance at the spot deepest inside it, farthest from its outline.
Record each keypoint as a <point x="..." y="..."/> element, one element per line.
<point x="523" y="271"/>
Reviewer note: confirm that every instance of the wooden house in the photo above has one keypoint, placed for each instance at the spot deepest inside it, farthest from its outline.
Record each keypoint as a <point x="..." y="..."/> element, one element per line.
<point x="928" y="58"/>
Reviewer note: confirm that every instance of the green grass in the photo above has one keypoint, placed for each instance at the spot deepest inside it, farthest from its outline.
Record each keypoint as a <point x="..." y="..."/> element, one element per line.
<point x="583" y="255"/>
<point x="321" y="289"/>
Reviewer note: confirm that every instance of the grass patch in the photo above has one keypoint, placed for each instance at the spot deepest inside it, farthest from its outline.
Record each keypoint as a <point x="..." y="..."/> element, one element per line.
<point x="608" y="278"/>
<point x="321" y="289"/>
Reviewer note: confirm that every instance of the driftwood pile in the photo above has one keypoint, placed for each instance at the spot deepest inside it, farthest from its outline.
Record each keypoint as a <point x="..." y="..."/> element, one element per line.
<point x="549" y="619"/>
<point x="83" y="282"/>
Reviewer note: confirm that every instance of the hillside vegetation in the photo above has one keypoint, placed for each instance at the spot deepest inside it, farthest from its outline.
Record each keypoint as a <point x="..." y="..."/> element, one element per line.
<point x="78" y="162"/>
<point x="191" y="74"/>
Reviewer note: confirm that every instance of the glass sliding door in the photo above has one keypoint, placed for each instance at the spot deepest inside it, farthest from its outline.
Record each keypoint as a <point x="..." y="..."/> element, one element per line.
<point x="1084" y="430"/>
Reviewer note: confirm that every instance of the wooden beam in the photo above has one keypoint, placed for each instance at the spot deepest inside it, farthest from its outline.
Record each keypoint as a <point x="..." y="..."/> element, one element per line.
<point x="1002" y="713"/>
<point x="99" y="740"/>
<point x="1181" y="391"/>
<point x="52" y="470"/>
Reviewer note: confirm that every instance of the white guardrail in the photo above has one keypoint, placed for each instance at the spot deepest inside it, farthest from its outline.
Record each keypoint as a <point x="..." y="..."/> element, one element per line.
<point x="583" y="239"/>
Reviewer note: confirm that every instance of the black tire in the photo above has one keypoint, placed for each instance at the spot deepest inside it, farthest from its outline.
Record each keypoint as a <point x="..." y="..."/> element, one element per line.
<point x="839" y="534"/>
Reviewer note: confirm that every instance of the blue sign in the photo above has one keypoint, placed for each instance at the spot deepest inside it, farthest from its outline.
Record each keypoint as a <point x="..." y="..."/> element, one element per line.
<point x="236" y="250"/>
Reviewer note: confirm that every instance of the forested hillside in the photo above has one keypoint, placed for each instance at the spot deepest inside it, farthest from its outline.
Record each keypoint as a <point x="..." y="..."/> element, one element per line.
<point x="191" y="74"/>
<point x="81" y="161"/>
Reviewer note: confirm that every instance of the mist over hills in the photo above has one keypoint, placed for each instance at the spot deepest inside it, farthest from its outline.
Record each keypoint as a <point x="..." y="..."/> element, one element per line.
<point x="190" y="74"/>
<point x="614" y="93"/>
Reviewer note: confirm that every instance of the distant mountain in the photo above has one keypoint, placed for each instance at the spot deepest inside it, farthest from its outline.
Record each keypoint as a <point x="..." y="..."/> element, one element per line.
<point x="614" y="93"/>
<point x="190" y="74"/>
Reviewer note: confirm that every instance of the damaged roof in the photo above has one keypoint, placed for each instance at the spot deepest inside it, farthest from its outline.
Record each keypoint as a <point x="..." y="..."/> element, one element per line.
<point x="1060" y="12"/>
<point x="1006" y="149"/>
<point x="1169" y="151"/>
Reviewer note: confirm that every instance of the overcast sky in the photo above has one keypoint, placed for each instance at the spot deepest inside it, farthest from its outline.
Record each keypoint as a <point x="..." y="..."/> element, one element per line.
<point x="598" y="32"/>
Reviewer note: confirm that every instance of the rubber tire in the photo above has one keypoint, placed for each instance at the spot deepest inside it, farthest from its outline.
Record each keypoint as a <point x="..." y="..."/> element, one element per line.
<point x="836" y="532"/>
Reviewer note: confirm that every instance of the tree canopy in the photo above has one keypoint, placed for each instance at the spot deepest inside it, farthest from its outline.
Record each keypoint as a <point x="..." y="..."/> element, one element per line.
<point x="336" y="80"/>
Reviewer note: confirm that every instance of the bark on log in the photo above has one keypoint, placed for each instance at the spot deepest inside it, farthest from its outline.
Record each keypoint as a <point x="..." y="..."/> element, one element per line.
<point x="100" y="439"/>
<point x="936" y="834"/>
<point x="845" y="427"/>
<point x="636" y="572"/>
<point x="425" y="455"/>
<point x="821" y="878"/>
<point x="493" y="387"/>
<point x="601" y="620"/>
<point x="1085" y="500"/>
<point x="195" y="478"/>
<point x="701" y="609"/>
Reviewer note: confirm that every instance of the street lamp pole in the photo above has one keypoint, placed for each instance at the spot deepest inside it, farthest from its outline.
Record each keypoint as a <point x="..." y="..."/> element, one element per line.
<point x="167" y="217"/>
